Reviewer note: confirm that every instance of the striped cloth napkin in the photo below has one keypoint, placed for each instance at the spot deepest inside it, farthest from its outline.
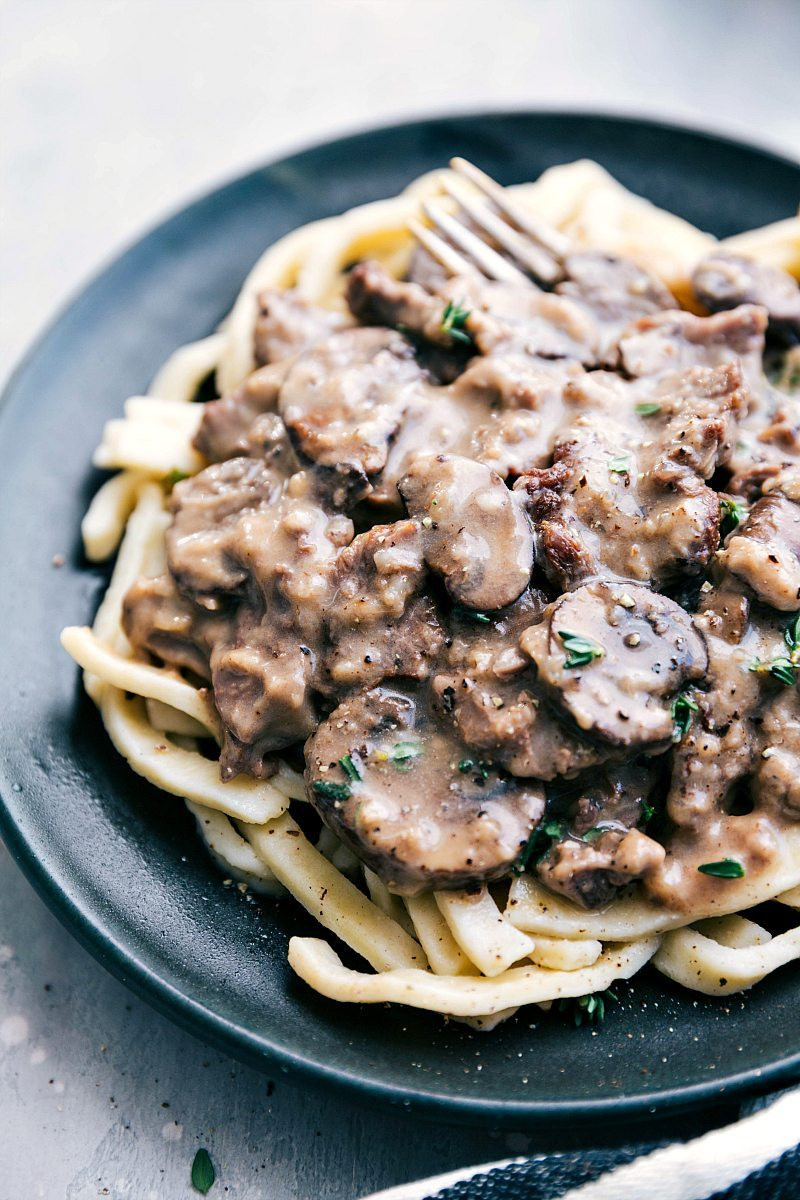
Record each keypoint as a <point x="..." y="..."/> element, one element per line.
<point x="755" y="1158"/>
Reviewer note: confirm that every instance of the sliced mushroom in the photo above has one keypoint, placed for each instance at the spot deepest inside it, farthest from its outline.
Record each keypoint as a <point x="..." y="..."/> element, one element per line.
<point x="400" y="790"/>
<point x="612" y="656"/>
<point x="475" y="532"/>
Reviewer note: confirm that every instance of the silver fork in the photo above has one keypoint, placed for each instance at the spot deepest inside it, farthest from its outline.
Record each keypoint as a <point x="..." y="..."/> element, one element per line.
<point x="530" y="243"/>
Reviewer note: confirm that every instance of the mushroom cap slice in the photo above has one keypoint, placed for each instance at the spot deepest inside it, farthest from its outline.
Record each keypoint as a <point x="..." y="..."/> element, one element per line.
<point x="409" y="799"/>
<point x="612" y="656"/>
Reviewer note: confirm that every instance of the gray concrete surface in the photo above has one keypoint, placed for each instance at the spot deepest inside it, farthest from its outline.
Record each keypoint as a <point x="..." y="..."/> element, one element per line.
<point x="113" y="112"/>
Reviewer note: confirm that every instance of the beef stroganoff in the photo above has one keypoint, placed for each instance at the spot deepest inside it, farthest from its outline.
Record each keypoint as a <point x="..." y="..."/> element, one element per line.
<point x="468" y="611"/>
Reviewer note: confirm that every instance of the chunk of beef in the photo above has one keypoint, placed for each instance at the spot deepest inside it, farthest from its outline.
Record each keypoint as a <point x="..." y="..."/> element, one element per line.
<point x="625" y="495"/>
<point x="674" y="341"/>
<point x="287" y="324"/>
<point x="343" y="402"/>
<point x="474" y="531"/>
<point x="723" y="281"/>
<point x="207" y="513"/>
<point x="591" y="873"/>
<point x="227" y="428"/>
<point x="765" y="552"/>
<point x="612" y="657"/>
<point x="385" y="777"/>
<point x="777" y="776"/>
<point x="158" y="621"/>
<point x="378" y="624"/>
<point x="615" y="290"/>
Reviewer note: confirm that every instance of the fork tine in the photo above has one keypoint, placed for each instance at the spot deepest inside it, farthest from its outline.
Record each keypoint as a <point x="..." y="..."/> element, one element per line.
<point x="537" y="261"/>
<point x="552" y="239"/>
<point x="490" y="262"/>
<point x="441" y="250"/>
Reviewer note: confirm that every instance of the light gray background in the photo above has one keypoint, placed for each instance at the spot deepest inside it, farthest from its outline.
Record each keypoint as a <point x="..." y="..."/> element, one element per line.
<point x="113" y="113"/>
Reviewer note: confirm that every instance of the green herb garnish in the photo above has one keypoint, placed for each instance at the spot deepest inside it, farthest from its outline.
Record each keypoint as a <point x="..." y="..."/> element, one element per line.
<point x="648" y="811"/>
<point x="621" y="465"/>
<point x="596" y="832"/>
<point x="350" y="768"/>
<point x="784" y="668"/>
<point x="647" y="409"/>
<point x="203" y="1173"/>
<point x="727" y="868"/>
<point x="402" y="755"/>
<point x="591" y="1008"/>
<point x="175" y="476"/>
<point x="330" y="790"/>
<point x="471" y="614"/>
<point x="539" y="843"/>
<point x="580" y="650"/>
<point x="454" y="318"/>
<point x="731" y="515"/>
<point x="682" y="710"/>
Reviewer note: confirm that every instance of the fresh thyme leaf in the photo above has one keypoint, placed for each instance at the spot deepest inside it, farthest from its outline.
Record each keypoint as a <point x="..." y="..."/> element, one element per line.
<point x="203" y="1173"/>
<point x="791" y="635"/>
<point x="593" y="834"/>
<point x="784" y="668"/>
<point x="402" y="755"/>
<point x="175" y="476"/>
<point x="539" y="843"/>
<point x="621" y="465"/>
<point x="454" y="318"/>
<point x="471" y="614"/>
<point x="726" y="868"/>
<point x="591" y="1008"/>
<point x="466" y="764"/>
<point x="580" y="650"/>
<point x="731" y="515"/>
<point x="648" y="811"/>
<point x="682" y="710"/>
<point x="330" y="790"/>
<point x="350" y="768"/>
<point x="648" y="408"/>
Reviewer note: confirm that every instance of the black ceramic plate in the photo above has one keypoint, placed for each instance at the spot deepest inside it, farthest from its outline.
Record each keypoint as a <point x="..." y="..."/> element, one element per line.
<point x="118" y="862"/>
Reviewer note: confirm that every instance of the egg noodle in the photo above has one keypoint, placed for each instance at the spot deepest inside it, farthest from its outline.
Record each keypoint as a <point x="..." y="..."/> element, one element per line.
<point x="478" y="956"/>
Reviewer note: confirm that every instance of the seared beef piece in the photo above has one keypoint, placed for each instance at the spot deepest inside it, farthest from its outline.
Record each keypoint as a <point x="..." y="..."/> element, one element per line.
<point x="625" y="495"/>
<point x="674" y="341"/>
<point x="591" y="873"/>
<point x="227" y="426"/>
<point x="614" y="799"/>
<point x="158" y="621"/>
<point x="777" y="777"/>
<point x="765" y="552"/>
<point x="501" y="316"/>
<point x="475" y="533"/>
<point x="377" y="624"/>
<point x="261" y="680"/>
<point x="612" y="657"/>
<point x="287" y="324"/>
<point x="411" y="814"/>
<point x="723" y="281"/>
<point x="207" y="511"/>
<point x="344" y="401"/>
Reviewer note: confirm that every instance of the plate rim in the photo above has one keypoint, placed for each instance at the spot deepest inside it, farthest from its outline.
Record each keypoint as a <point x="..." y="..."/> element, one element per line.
<point x="259" y="1051"/>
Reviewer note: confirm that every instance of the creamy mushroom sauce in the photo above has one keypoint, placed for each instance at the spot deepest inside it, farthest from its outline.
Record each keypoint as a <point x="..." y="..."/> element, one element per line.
<point x="518" y="568"/>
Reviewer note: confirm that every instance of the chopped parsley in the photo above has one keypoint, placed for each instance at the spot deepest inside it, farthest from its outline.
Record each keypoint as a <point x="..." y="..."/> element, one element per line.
<point x="581" y="651"/>
<point x="621" y="465"/>
<point x="539" y="843"/>
<point x="726" y="868"/>
<point x="203" y="1173"/>
<point x="731" y="515"/>
<point x="350" y="768"/>
<point x="682" y="710"/>
<point x="454" y="318"/>
<point x="482" y="768"/>
<point x="402" y="755"/>
<point x="648" y="408"/>
<point x="591" y="1008"/>
<point x="784" y="668"/>
<point x="330" y="790"/>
